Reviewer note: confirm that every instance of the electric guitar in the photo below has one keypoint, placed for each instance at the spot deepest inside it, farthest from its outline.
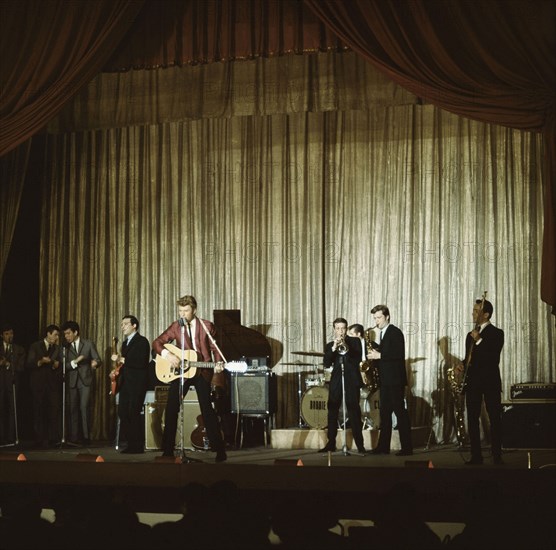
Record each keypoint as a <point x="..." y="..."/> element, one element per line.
<point x="165" y="372"/>
<point x="115" y="372"/>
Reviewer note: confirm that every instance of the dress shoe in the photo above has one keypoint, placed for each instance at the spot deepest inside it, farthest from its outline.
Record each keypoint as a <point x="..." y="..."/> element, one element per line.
<point x="168" y="453"/>
<point x="498" y="460"/>
<point x="327" y="449"/>
<point x="404" y="453"/>
<point x="362" y="450"/>
<point x="474" y="462"/>
<point x="379" y="452"/>
<point x="221" y="456"/>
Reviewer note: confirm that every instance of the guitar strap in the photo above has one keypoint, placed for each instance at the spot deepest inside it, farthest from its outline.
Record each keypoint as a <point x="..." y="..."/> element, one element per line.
<point x="212" y="339"/>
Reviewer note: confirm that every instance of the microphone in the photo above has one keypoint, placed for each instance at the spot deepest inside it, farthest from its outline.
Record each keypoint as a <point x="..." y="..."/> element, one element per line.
<point x="181" y="322"/>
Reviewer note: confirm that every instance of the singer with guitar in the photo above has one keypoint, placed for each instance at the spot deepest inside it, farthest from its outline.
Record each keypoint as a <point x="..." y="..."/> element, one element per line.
<point x="483" y="347"/>
<point x="199" y="335"/>
<point x="132" y="364"/>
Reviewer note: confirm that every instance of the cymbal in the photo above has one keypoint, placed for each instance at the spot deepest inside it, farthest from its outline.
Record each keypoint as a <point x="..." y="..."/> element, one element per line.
<point x="311" y="353"/>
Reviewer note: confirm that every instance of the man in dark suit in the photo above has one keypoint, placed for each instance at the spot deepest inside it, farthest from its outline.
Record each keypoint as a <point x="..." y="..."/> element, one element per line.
<point x="12" y="364"/>
<point x="132" y="383"/>
<point x="45" y="380"/>
<point x="196" y="337"/>
<point x="81" y="358"/>
<point x="483" y="347"/>
<point x="347" y="351"/>
<point x="390" y="356"/>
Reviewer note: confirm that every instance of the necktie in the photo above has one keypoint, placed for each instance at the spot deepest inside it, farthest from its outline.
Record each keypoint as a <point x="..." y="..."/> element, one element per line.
<point x="75" y="348"/>
<point x="190" y="337"/>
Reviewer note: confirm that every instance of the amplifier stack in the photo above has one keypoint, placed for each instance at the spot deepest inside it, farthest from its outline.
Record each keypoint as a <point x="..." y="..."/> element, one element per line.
<point x="529" y="418"/>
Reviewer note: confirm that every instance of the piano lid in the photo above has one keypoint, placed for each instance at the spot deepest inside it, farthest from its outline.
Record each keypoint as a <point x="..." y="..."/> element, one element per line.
<point x="237" y="341"/>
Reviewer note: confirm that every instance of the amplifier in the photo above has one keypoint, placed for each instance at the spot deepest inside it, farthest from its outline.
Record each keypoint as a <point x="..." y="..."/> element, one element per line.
<point x="253" y="393"/>
<point x="533" y="390"/>
<point x="154" y="417"/>
<point x="529" y="424"/>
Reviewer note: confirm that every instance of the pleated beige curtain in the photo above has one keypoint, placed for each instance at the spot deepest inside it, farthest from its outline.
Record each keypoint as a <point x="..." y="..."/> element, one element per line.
<point x="298" y="216"/>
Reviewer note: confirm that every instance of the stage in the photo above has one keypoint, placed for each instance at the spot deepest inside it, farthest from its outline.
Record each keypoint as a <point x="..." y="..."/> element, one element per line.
<point x="353" y="481"/>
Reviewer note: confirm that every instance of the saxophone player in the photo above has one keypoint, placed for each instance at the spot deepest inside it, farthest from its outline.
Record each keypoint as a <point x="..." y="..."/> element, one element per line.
<point x="347" y="351"/>
<point x="390" y="358"/>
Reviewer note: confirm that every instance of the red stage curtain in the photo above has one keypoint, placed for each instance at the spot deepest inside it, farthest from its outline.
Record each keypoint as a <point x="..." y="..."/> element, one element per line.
<point x="181" y="32"/>
<point x="50" y="50"/>
<point x="491" y="61"/>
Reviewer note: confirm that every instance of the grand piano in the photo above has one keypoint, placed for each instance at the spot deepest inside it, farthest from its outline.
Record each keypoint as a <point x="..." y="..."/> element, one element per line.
<point x="256" y="387"/>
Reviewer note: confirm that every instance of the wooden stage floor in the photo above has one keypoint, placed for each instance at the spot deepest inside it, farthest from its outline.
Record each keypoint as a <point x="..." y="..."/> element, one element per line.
<point x="354" y="482"/>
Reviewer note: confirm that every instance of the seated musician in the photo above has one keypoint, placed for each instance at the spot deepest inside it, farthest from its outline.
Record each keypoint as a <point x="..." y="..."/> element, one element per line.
<point x="198" y="337"/>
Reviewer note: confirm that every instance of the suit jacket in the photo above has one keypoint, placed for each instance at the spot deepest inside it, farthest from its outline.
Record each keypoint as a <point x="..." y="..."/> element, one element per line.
<point x="351" y="363"/>
<point x="84" y="371"/>
<point x="391" y="365"/>
<point x="484" y="370"/>
<point x="205" y="348"/>
<point x="133" y="374"/>
<point x="17" y="362"/>
<point x="43" y="378"/>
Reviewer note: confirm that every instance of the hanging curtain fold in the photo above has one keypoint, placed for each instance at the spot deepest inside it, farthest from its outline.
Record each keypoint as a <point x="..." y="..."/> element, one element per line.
<point x="50" y="50"/>
<point x="13" y="170"/>
<point x="492" y="61"/>
<point x="181" y="32"/>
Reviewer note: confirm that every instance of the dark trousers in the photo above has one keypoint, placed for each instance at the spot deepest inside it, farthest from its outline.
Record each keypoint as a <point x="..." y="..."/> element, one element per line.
<point x="47" y="417"/>
<point x="7" y="411"/>
<point x="173" y="408"/>
<point x="493" y="403"/>
<point x="335" y="398"/>
<point x="130" y="406"/>
<point x="392" y="401"/>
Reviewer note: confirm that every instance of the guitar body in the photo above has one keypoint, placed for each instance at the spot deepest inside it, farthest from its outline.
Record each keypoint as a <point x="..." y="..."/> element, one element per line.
<point x="114" y="375"/>
<point x="166" y="373"/>
<point x="199" y="438"/>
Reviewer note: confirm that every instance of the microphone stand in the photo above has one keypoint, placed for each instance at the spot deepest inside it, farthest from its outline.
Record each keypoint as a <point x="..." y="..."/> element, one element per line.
<point x="184" y="458"/>
<point x="344" y="446"/>
<point x="63" y="440"/>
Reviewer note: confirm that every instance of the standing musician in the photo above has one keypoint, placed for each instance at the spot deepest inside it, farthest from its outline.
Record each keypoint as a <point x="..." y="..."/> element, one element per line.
<point x="46" y="379"/>
<point x="82" y="359"/>
<point x="483" y="347"/>
<point x="197" y="339"/>
<point x="393" y="379"/>
<point x="345" y="350"/>
<point x="12" y="364"/>
<point x="134" y="357"/>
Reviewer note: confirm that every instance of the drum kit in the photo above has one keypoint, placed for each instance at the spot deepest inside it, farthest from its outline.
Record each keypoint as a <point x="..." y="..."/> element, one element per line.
<point x="313" y="396"/>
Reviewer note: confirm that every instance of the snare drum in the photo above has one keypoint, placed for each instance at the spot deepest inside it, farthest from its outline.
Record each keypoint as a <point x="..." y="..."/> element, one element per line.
<point x="370" y="407"/>
<point x="314" y="407"/>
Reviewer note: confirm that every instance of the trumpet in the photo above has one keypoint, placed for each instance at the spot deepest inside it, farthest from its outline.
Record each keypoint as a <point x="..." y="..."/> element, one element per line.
<point x="341" y="346"/>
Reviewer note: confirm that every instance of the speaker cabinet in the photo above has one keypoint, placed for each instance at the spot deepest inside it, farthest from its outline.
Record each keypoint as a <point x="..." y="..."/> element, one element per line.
<point x="154" y="418"/>
<point x="253" y="393"/>
<point x="530" y="425"/>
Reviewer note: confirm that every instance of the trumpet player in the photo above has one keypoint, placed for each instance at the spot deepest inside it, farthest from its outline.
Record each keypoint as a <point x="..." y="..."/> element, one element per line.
<point x="343" y="350"/>
<point x="390" y="356"/>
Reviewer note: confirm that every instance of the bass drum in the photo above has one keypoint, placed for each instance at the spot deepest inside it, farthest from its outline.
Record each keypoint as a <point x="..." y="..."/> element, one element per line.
<point x="370" y="408"/>
<point x="314" y="407"/>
